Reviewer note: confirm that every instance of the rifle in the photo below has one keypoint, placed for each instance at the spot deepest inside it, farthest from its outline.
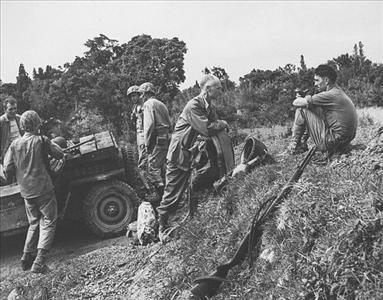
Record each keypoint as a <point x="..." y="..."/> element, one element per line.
<point x="207" y="286"/>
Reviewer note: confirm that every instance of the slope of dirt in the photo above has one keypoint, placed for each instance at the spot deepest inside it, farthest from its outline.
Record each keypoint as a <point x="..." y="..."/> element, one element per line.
<point x="114" y="269"/>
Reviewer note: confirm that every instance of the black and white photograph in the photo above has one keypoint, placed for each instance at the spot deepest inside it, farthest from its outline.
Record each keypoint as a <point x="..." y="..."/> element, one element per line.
<point x="191" y="150"/>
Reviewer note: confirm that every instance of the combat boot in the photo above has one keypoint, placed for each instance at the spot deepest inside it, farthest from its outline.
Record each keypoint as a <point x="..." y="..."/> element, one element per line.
<point x="27" y="260"/>
<point x="163" y="228"/>
<point x="39" y="265"/>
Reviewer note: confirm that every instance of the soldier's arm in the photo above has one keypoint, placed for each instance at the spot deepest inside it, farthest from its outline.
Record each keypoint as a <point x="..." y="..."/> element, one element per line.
<point x="148" y="124"/>
<point x="9" y="164"/>
<point x="199" y="121"/>
<point x="53" y="149"/>
<point x="320" y="99"/>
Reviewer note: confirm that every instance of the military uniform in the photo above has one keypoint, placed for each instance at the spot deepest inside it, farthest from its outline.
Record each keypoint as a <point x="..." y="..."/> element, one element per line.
<point x="330" y="118"/>
<point x="7" y="135"/>
<point x="197" y="117"/>
<point x="24" y="158"/>
<point x="138" y="116"/>
<point x="156" y="127"/>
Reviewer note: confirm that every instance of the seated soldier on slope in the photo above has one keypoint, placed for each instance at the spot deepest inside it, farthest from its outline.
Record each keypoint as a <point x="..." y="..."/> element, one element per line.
<point x="330" y="116"/>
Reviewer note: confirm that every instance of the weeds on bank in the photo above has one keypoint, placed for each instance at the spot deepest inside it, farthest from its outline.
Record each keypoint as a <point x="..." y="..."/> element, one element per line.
<point x="325" y="242"/>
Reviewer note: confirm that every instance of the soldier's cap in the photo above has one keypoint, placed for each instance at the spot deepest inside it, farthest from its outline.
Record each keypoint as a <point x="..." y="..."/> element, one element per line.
<point x="132" y="89"/>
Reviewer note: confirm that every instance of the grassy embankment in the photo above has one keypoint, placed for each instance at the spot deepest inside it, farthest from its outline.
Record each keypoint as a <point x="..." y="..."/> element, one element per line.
<point x="326" y="241"/>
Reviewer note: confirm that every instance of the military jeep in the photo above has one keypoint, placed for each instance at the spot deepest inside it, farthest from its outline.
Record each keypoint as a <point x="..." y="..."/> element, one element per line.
<point x="96" y="183"/>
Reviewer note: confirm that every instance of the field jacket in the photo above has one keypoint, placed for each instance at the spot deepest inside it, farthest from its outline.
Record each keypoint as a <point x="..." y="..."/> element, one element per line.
<point x="5" y="134"/>
<point x="197" y="117"/>
<point x="156" y="122"/>
<point x="25" y="160"/>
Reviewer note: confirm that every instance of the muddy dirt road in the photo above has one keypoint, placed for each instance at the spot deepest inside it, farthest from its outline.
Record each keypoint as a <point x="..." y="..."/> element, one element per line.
<point x="71" y="240"/>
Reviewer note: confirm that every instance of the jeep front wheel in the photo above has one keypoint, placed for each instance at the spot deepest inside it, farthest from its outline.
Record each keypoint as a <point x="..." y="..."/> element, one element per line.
<point x="109" y="207"/>
<point x="129" y="164"/>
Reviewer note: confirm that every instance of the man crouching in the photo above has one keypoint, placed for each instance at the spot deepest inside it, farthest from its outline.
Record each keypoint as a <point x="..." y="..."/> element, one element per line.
<point x="24" y="159"/>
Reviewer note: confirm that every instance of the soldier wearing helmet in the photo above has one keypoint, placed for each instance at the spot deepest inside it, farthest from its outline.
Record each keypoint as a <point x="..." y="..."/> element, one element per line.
<point x="157" y="126"/>
<point x="24" y="159"/>
<point x="137" y="116"/>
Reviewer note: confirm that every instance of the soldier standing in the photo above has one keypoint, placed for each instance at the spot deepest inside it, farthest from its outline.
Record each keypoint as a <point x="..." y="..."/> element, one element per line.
<point x="24" y="159"/>
<point x="157" y="126"/>
<point x="9" y="125"/>
<point x="137" y="116"/>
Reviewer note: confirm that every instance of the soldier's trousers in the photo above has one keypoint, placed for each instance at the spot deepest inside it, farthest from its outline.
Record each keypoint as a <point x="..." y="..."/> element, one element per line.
<point x="313" y="120"/>
<point x="177" y="181"/>
<point x="142" y="155"/>
<point x="156" y="163"/>
<point x="42" y="217"/>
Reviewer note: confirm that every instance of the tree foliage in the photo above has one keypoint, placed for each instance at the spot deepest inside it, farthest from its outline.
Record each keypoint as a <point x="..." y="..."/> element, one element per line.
<point x="96" y="82"/>
<point x="219" y="72"/>
<point x="266" y="95"/>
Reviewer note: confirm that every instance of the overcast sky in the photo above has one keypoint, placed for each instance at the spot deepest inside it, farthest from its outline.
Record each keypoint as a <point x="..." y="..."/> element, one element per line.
<point x="238" y="36"/>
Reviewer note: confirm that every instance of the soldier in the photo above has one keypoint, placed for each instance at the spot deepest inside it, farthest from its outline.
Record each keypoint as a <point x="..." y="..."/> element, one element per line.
<point x="24" y="159"/>
<point x="330" y="116"/>
<point x="197" y="117"/>
<point x="137" y="116"/>
<point x="157" y="126"/>
<point x="9" y="125"/>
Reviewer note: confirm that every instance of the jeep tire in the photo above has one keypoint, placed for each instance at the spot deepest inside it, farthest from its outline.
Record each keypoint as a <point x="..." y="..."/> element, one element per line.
<point x="129" y="164"/>
<point x="109" y="207"/>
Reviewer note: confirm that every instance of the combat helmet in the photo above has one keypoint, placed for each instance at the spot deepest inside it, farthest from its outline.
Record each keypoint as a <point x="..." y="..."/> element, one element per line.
<point x="147" y="87"/>
<point x="132" y="89"/>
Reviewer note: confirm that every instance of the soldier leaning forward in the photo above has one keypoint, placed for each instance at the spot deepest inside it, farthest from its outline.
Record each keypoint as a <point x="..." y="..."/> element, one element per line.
<point x="197" y="117"/>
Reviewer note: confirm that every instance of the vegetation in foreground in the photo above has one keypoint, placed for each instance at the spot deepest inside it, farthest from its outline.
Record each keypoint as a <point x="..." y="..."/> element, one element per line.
<point x="325" y="242"/>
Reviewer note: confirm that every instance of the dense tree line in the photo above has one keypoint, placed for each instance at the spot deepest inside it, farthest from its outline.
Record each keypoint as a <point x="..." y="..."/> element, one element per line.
<point x="268" y="94"/>
<point x="89" y="93"/>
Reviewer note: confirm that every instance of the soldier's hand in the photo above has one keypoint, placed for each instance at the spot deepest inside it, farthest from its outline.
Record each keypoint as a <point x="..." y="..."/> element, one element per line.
<point x="226" y="125"/>
<point x="68" y="155"/>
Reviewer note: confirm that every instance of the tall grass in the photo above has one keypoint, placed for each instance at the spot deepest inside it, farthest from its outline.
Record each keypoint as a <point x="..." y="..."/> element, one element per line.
<point x="326" y="241"/>
<point x="373" y="113"/>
